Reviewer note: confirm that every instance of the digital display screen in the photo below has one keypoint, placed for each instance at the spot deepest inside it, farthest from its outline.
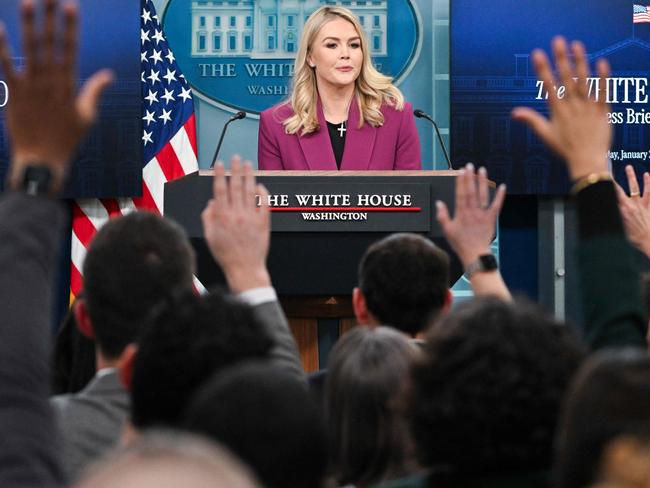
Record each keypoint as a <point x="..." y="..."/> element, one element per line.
<point x="491" y="73"/>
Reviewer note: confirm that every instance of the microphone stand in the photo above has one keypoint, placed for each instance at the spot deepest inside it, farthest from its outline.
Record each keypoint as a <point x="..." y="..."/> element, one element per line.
<point x="423" y="115"/>
<point x="237" y="116"/>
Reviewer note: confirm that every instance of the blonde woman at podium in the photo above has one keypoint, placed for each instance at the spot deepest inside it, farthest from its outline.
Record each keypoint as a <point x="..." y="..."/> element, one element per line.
<point x="342" y="113"/>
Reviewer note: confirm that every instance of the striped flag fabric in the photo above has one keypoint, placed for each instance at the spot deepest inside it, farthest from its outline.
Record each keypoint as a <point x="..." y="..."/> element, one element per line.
<point x="640" y="14"/>
<point x="168" y="138"/>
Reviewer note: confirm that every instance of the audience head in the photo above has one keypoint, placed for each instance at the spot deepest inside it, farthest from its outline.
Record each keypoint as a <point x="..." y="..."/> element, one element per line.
<point x="185" y="342"/>
<point x="132" y="263"/>
<point x="367" y="370"/>
<point x="403" y="283"/>
<point x="487" y="390"/>
<point x="266" y="418"/>
<point x="625" y="464"/>
<point x="609" y="397"/>
<point x="169" y="460"/>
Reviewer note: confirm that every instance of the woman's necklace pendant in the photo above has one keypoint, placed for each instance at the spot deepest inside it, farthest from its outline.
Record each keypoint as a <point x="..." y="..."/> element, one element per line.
<point x="341" y="128"/>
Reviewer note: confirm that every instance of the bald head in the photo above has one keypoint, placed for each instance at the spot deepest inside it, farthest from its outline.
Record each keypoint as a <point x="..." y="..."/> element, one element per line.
<point x="169" y="460"/>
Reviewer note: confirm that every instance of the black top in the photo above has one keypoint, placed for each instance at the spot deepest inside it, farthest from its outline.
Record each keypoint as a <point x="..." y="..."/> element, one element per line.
<point x="337" y="136"/>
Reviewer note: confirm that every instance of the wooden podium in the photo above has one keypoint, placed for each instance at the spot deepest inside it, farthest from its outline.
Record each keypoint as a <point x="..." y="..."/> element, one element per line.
<point x="313" y="265"/>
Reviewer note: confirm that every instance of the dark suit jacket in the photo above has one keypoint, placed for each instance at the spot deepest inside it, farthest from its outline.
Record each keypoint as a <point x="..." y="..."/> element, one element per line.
<point x="393" y="146"/>
<point x="30" y="238"/>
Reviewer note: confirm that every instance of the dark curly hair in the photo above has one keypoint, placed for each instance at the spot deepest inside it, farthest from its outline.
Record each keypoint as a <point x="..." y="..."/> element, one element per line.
<point x="404" y="279"/>
<point x="609" y="397"/>
<point x="187" y="340"/>
<point x="486" y="392"/>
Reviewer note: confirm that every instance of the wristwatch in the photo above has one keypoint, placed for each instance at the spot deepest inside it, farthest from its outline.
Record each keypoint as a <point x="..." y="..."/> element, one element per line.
<point x="485" y="262"/>
<point x="37" y="180"/>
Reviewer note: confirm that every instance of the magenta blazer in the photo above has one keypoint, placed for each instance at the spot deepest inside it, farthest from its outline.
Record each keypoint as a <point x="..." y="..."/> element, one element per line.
<point x="393" y="146"/>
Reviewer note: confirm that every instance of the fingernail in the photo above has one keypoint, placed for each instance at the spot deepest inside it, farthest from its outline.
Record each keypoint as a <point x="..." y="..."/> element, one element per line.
<point x="470" y="167"/>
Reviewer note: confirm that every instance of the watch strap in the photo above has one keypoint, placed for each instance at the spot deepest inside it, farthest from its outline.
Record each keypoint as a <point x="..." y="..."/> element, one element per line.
<point x="37" y="180"/>
<point x="485" y="262"/>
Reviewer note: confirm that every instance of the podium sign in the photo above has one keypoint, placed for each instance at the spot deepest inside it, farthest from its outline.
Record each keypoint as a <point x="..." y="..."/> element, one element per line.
<point x="322" y="222"/>
<point x="349" y="206"/>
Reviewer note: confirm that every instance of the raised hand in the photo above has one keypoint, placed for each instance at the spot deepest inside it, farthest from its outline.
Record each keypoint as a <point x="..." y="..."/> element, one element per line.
<point x="46" y="118"/>
<point x="237" y="229"/>
<point x="577" y="129"/>
<point x="635" y="210"/>
<point x="473" y="227"/>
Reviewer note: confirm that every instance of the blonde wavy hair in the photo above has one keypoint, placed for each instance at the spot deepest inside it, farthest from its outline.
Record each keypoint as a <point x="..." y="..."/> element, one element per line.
<point x="372" y="89"/>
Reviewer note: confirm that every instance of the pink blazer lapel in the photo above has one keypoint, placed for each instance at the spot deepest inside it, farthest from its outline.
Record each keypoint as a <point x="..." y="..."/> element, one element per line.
<point x="317" y="147"/>
<point x="359" y="143"/>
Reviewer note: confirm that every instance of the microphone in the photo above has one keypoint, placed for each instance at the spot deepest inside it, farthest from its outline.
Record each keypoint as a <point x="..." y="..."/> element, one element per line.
<point x="238" y="116"/>
<point x="423" y="115"/>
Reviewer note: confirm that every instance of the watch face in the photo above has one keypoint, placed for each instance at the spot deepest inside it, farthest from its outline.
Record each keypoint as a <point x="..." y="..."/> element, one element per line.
<point x="37" y="179"/>
<point x="488" y="262"/>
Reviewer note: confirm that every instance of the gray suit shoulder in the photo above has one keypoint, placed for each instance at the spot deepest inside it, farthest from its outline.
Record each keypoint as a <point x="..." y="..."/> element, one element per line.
<point x="91" y="421"/>
<point x="285" y="351"/>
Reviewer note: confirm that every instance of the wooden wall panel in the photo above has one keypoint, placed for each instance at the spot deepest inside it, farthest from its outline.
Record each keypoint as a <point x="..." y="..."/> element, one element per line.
<point x="305" y="331"/>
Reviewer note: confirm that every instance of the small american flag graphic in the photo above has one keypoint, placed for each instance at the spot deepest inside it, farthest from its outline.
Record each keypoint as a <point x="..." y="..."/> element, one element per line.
<point x="640" y="14"/>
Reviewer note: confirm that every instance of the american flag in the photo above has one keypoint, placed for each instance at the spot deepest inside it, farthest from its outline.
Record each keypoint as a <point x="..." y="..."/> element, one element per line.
<point x="640" y="14"/>
<point x="168" y="138"/>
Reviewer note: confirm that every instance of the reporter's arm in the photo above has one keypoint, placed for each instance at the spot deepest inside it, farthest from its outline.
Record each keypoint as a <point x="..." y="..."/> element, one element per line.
<point x="578" y="130"/>
<point x="238" y="233"/>
<point x="45" y="120"/>
<point x="609" y="277"/>
<point x="30" y="233"/>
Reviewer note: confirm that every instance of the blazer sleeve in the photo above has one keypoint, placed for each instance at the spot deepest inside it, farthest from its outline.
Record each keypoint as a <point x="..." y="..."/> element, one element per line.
<point x="30" y="232"/>
<point x="284" y="353"/>
<point x="268" y="150"/>
<point x="608" y="274"/>
<point x="407" y="152"/>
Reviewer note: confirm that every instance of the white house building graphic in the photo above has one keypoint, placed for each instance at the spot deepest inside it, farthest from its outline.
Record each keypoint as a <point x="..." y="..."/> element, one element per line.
<point x="270" y="29"/>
